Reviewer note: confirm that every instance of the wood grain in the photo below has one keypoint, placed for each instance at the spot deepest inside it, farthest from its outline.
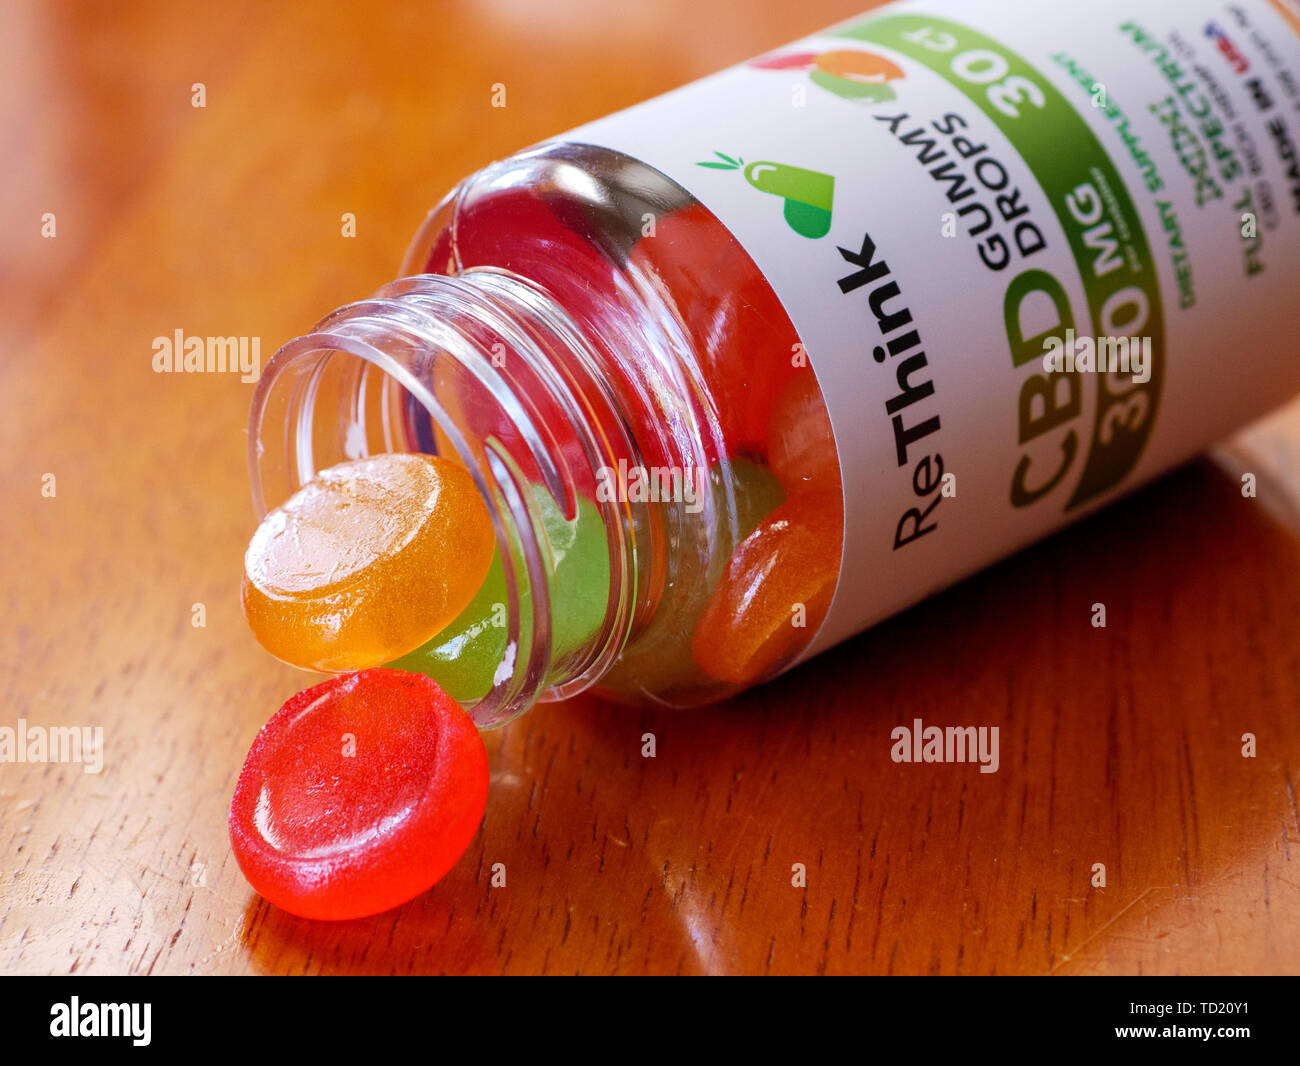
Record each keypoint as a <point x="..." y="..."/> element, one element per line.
<point x="1119" y="746"/>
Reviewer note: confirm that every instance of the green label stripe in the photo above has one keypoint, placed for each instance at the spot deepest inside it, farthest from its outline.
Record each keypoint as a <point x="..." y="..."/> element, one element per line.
<point x="1063" y="154"/>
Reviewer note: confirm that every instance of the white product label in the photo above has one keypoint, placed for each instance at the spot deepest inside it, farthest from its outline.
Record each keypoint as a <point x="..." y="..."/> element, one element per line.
<point x="1048" y="249"/>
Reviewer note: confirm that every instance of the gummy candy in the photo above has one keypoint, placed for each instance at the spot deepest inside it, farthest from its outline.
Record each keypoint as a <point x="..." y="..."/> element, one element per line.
<point x="580" y="569"/>
<point x="367" y="561"/>
<point x="800" y="444"/>
<point x="558" y="248"/>
<point x="659" y="662"/>
<point x="751" y="625"/>
<point x="744" y="341"/>
<point x="465" y="656"/>
<point x="358" y="795"/>
<point x="746" y="344"/>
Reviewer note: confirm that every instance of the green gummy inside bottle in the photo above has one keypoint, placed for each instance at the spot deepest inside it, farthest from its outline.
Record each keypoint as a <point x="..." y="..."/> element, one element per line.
<point x="659" y="662"/>
<point x="465" y="656"/>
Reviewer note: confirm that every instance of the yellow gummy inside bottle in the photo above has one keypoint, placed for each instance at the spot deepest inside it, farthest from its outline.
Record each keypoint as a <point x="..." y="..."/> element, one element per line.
<point x="367" y="561"/>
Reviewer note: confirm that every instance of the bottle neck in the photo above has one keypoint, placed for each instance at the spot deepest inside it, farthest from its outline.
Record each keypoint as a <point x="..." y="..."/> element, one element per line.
<point x="489" y="368"/>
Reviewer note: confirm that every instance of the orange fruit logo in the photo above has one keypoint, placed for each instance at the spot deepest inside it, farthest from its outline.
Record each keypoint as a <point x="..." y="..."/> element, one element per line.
<point x="852" y="74"/>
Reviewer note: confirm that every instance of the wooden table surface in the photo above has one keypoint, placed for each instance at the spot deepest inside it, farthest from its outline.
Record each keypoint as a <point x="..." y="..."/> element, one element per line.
<point x="1119" y="746"/>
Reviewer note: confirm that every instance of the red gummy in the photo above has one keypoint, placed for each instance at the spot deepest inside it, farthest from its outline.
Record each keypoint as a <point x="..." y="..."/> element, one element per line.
<point x="744" y="339"/>
<point x="520" y="231"/>
<point x="737" y="325"/>
<point x="358" y="795"/>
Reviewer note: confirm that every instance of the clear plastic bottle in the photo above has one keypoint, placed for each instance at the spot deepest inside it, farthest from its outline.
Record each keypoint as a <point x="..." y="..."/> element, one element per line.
<point x="576" y="326"/>
<point x="535" y="338"/>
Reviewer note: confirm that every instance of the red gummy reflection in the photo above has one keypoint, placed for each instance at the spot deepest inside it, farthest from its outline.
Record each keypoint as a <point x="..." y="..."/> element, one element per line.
<point x="358" y="795"/>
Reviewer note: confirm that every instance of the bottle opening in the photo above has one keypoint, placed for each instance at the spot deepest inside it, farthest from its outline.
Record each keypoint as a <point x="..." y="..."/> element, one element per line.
<point x="484" y="369"/>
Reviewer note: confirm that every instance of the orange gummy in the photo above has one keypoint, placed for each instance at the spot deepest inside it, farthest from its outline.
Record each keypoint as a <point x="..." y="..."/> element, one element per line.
<point x="750" y="625"/>
<point x="367" y="562"/>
